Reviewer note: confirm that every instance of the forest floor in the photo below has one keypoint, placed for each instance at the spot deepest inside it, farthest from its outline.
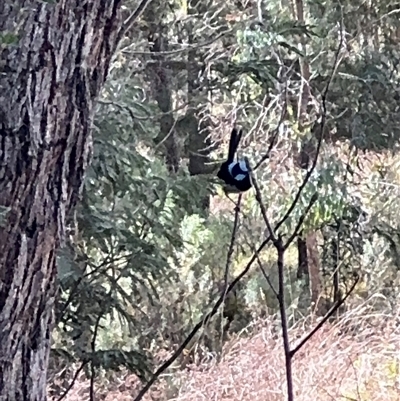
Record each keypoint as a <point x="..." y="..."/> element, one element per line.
<point x="354" y="359"/>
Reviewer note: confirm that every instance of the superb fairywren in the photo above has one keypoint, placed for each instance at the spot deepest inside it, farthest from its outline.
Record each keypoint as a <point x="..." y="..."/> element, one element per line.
<point x="235" y="174"/>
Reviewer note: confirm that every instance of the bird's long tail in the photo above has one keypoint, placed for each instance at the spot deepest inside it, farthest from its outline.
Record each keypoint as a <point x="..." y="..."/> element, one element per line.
<point x="234" y="143"/>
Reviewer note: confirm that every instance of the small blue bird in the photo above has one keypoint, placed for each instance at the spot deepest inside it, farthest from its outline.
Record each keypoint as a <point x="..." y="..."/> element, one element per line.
<point x="235" y="174"/>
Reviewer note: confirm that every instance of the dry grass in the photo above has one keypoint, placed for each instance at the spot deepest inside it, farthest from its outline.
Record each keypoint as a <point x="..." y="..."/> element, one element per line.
<point x="356" y="358"/>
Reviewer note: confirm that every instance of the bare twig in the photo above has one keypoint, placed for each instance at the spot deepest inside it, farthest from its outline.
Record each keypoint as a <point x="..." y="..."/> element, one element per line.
<point x="92" y="364"/>
<point x="297" y="229"/>
<point x="274" y="135"/>
<point x="204" y="321"/>
<point x="123" y="107"/>
<point x="132" y="18"/>
<point x="266" y="275"/>
<point x="261" y="204"/>
<point x="68" y="389"/>
<point x="231" y="248"/>
<point x="232" y="243"/>
<point x="282" y="310"/>
<point x="330" y="313"/>
<point x="181" y="50"/>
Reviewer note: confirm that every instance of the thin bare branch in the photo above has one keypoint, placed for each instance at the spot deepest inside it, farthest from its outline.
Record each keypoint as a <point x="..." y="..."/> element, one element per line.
<point x="231" y="249"/>
<point x="296" y="231"/>
<point x="92" y="363"/>
<point x="266" y="275"/>
<point x="68" y="389"/>
<point x="282" y="310"/>
<point x="132" y="18"/>
<point x="275" y="133"/>
<point x="262" y="206"/>
<point x="204" y="321"/>
<point x="181" y="50"/>
<point x="330" y="313"/>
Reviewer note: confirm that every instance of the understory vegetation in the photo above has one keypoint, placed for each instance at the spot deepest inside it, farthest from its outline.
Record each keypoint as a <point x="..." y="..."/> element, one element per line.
<point x="155" y="241"/>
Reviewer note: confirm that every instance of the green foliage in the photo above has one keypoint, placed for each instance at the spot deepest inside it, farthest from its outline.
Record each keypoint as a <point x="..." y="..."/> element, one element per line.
<point x="127" y="228"/>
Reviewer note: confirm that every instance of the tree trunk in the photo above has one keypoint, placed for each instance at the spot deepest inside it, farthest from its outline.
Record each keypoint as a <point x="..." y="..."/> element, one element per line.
<point x="310" y="256"/>
<point x="160" y="78"/>
<point x="197" y="115"/>
<point x="49" y="80"/>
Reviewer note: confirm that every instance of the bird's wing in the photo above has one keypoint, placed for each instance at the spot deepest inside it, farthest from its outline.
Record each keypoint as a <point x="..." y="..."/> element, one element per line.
<point x="234" y="143"/>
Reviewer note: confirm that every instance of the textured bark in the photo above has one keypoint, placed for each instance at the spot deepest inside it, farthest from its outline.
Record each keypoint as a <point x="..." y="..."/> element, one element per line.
<point x="314" y="267"/>
<point x="160" y="77"/>
<point x="197" y="116"/>
<point x="49" y="80"/>
<point x="302" y="269"/>
<point x="310" y="263"/>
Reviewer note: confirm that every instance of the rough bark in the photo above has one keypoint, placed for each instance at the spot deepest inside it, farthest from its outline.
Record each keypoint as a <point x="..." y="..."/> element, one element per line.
<point x="309" y="263"/>
<point x="198" y="124"/>
<point x="302" y="269"/>
<point x="49" y="79"/>
<point x="314" y="268"/>
<point x="160" y="78"/>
